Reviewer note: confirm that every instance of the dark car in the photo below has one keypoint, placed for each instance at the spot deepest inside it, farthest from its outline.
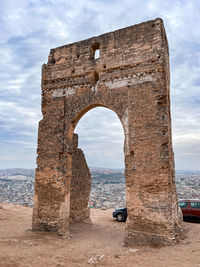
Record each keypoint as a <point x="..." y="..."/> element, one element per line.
<point x="190" y="209"/>
<point x="120" y="214"/>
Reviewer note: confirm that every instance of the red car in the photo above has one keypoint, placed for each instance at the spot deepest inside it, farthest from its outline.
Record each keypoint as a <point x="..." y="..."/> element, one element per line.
<point x="190" y="209"/>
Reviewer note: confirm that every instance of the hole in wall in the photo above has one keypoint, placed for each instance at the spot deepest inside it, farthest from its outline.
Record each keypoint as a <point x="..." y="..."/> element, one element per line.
<point x="60" y="155"/>
<point x="164" y="116"/>
<point x="162" y="100"/>
<point x="96" y="77"/>
<point x="95" y="50"/>
<point x="52" y="61"/>
<point x="97" y="54"/>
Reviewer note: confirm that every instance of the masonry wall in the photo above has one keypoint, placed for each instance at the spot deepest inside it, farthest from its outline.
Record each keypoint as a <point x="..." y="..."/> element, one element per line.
<point x="80" y="186"/>
<point x="131" y="77"/>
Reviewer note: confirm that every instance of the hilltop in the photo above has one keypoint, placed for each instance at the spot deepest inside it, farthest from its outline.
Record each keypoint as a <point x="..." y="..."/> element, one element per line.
<point x="99" y="243"/>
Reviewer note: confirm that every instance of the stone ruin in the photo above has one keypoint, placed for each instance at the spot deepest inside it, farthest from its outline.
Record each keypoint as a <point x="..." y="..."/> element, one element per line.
<point x="130" y="77"/>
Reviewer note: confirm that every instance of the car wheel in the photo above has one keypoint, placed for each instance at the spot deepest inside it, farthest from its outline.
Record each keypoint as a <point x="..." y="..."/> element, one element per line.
<point x="120" y="217"/>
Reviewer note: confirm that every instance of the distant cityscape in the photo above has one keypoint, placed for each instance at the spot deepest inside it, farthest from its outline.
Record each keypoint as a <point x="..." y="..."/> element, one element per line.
<point x="108" y="187"/>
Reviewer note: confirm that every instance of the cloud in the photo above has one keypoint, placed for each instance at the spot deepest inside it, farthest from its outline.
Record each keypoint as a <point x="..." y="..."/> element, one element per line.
<point x="29" y="29"/>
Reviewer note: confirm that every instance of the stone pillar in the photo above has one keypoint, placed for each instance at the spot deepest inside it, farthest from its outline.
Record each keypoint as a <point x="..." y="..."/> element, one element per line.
<point x="80" y="185"/>
<point x="52" y="180"/>
<point x="150" y="182"/>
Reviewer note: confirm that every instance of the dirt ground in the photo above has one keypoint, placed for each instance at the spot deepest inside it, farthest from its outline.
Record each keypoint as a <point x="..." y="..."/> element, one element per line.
<point x="96" y="244"/>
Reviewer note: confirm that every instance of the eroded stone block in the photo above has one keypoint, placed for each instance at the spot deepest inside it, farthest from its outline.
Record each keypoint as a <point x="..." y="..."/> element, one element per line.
<point x="80" y="185"/>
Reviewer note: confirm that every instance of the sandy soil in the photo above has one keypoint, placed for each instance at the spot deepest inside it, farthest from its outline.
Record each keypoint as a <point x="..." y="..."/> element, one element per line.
<point x="96" y="244"/>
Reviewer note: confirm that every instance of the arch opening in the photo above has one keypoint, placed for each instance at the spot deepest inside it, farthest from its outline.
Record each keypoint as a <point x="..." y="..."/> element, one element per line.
<point x="101" y="183"/>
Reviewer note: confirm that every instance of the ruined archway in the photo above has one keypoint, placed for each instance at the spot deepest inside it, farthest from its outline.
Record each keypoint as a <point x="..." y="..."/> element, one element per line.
<point x="130" y="77"/>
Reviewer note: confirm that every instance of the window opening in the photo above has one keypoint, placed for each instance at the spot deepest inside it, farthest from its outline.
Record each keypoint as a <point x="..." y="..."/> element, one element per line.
<point x="95" y="51"/>
<point x="97" y="54"/>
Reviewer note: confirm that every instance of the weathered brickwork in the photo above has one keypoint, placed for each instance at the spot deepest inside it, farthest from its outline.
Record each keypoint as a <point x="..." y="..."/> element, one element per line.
<point x="131" y="77"/>
<point x="80" y="185"/>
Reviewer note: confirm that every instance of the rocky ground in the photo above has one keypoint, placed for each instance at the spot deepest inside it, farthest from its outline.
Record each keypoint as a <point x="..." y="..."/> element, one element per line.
<point x="96" y="244"/>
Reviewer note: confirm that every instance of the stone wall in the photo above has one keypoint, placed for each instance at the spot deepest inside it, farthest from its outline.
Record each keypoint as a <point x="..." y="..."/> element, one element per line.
<point x="80" y="186"/>
<point x="131" y="77"/>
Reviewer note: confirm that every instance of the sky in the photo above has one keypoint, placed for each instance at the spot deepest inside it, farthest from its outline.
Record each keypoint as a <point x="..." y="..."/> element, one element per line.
<point x="30" y="28"/>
